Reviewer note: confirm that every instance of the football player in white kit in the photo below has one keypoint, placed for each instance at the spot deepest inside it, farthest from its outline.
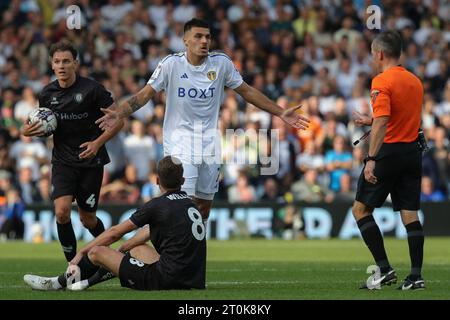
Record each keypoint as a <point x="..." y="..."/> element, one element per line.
<point x="194" y="83"/>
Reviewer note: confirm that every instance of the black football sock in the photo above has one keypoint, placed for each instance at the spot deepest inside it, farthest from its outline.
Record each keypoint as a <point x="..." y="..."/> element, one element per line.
<point x="100" y="276"/>
<point x="416" y="240"/>
<point x="374" y="241"/>
<point x="62" y="279"/>
<point x="67" y="239"/>
<point x="87" y="268"/>
<point x="98" y="229"/>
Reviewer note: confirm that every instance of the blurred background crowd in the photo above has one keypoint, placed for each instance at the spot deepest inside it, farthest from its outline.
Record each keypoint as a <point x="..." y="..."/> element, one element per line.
<point x="315" y="53"/>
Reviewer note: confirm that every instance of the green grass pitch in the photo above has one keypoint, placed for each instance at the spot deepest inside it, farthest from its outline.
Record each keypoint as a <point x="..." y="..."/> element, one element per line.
<point x="249" y="269"/>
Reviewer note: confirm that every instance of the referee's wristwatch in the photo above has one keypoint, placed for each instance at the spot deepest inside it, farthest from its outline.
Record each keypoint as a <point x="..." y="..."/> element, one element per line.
<point x="369" y="158"/>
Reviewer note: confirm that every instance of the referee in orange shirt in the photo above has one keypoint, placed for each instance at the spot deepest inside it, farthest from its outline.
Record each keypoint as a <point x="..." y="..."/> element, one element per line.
<point x="394" y="162"/>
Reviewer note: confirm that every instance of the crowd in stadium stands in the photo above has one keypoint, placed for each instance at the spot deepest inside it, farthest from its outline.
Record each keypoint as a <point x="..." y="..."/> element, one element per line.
<point x="310" y="52"/>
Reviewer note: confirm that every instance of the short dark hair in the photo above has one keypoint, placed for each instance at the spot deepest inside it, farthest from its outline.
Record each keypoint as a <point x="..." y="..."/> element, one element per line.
<point x="195" y="23"/>
<point x="170" y="173"/>
<point x="63" y="45"/>
<point x="389" y="42"/>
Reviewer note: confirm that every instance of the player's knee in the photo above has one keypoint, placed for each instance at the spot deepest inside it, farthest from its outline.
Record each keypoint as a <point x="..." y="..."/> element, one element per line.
<point x="62" y="214"/>
<point x="360" y="211"/>
<point x="409" y="217"/>
<point x="95" y="254"/>
<point x="136" y="252"/>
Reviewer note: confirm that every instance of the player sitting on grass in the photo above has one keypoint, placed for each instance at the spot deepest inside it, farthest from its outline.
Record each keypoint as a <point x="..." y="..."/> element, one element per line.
<point x="177" y="261"/>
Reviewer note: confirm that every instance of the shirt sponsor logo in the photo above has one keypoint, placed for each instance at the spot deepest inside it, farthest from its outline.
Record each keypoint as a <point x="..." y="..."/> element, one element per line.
<point x="72" y="116"/>
<point x="196" y="93"/>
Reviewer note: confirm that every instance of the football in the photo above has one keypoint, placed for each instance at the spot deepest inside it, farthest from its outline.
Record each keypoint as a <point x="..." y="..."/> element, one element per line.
<point x="46" y="117"/>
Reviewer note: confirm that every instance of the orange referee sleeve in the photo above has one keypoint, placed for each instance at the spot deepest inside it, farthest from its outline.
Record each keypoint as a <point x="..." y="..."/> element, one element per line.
<point x="380" y="97"/>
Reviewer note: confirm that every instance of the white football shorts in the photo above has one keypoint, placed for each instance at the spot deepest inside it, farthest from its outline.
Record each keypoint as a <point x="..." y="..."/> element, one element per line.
<point x="201" y="180"/>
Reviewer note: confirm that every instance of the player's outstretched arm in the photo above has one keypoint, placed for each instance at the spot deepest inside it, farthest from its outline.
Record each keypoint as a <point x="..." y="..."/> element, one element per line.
<point x="125" y="109"/>
<point x="107" y="238"/>
<point x="258" y="99"/>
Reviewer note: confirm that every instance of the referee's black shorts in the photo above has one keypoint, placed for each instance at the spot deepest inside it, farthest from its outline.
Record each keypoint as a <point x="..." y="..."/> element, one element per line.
<point x="399" y="172"/>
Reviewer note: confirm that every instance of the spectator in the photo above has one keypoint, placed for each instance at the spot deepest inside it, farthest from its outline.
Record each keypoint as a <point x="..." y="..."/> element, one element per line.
<point x="23" y="107"/>
<point x="271" y="191"/>
<point x="184" y="11"/>
<point x="242" y="191"/>
<point x="114" y="11"/>
<point x="45" y="186"/>
<point x="125" y="190"/>
<point x="357" y="166"/>
<point x="338" y="162"/>
<point x="310" y="159"/>
<point x="13" y="226"/>
<point x="29" y="191"/>
<point x="140" y="150"/>
<point x="6" y="162"/>
<point x="436" y="163"/>
<point x="429" y="194"/>
<point x="310" y="190"/>
<point x="116" y="151"/>
<point x="150" y="189"/>
<point x="347" y="32"/>
<point x="29" y="152"/>
<point x="347" y="193"/>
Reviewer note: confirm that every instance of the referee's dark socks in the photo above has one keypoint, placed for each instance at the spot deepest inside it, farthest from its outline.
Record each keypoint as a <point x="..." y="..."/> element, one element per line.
<point x="98" y="229"/>
<point x="415" y="242"/>
<point x="374" y="241"/>
<point x="67" y="239"/>
<point x="87" y="269"/>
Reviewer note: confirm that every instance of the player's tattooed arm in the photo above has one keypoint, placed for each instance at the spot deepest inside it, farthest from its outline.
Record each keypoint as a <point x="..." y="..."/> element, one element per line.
<point x="261" y="101"/>
<point x="137" y="101"/>
<point x="113" y="115"/>
<point x="134" y="103"/>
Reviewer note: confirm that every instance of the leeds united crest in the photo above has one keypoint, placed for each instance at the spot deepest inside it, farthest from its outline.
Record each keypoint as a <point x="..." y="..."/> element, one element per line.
<point x="212" y="75"/>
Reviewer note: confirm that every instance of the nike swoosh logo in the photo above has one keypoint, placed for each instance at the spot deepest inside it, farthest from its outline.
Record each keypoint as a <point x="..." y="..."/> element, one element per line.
<point x="406" y="287"/>
<point x="377" y="281"/>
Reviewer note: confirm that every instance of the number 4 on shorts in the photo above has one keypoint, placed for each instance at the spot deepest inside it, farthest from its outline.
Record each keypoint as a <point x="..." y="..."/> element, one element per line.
<point x="91" y="200"/>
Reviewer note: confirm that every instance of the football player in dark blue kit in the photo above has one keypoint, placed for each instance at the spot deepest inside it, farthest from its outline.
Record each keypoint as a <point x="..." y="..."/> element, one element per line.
<point x="177" y="259"/>
<point x="79" y="153"/>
